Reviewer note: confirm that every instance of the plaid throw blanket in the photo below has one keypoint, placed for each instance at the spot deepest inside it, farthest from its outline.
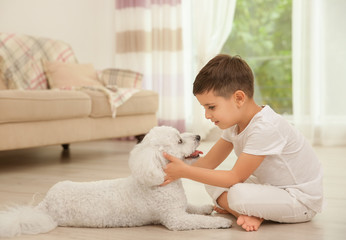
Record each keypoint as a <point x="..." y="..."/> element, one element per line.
<point x="124" y="82"/>
<point x="21" y="58"/>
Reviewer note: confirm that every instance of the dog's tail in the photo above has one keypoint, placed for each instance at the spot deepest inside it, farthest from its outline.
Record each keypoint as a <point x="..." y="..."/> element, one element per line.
<point x="25" y="220"/>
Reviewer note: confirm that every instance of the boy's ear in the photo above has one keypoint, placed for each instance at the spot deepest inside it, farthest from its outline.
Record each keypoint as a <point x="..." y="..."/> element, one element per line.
<point x="239" y="97"/>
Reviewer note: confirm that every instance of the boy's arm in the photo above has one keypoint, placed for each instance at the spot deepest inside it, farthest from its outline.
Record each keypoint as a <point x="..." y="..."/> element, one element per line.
<point x="243" y="168"/>
<point x="216" y="155"/>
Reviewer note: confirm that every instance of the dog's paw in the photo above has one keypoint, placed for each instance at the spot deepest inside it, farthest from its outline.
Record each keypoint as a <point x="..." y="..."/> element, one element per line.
<point x="201" y="210"/>
<point x="222" y="222"/>
<point x="207" y="209"/>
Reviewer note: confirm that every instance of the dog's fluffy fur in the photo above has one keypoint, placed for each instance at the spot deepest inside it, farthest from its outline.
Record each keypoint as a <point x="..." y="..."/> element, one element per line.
<point x="126" y="202"/>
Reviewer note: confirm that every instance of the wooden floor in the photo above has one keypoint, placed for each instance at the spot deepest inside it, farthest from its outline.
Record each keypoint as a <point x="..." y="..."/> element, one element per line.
<point x="26" y="175"/>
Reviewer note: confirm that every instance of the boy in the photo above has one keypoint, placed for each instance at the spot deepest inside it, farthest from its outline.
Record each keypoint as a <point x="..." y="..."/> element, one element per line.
<point x="277" y="175"/>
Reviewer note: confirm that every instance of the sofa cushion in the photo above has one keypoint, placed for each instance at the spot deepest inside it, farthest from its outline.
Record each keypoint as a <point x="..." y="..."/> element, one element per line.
<point x="142" y="102"/>
<point x="41" y="105"/>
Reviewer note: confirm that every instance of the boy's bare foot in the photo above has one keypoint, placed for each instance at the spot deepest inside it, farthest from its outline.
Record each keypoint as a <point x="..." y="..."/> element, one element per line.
<point x="249" y="223"/>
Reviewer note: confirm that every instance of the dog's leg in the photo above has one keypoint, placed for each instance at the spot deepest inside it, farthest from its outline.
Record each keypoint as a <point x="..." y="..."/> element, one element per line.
<point x="184" y="221"/>
<point x="202" y="210"/>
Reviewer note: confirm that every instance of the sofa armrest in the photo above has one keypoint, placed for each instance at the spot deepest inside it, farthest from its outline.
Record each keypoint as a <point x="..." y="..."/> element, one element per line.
<point x="2" y="83"/>
<point x="121" y="78"/>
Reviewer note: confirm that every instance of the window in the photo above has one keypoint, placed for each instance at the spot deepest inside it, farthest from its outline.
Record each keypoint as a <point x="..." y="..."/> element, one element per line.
<point x="261" y="35"/>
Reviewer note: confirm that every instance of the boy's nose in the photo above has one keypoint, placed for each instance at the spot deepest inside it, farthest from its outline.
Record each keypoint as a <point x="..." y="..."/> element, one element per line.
<point x="207" y="115"/>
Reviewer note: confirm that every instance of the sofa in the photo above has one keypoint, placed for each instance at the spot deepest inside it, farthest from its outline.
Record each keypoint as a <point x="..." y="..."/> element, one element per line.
<point x="40" y="106"/>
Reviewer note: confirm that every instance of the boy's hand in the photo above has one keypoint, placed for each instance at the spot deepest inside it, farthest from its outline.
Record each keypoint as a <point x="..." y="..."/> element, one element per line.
<point x="173" y="169"/>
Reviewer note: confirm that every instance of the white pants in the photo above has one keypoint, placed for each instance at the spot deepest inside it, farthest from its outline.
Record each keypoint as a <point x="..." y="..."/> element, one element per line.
<point x="264" y="201"/>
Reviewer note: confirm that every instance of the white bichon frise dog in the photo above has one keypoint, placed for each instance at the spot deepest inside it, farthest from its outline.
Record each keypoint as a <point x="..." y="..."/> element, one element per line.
<point x="126" y="202"/>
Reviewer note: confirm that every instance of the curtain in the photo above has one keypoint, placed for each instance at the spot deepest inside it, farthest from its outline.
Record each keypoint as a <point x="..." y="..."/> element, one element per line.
<point x="149" y="40"/>
<point x="169" y="41"/>
<point x="319" y="78"/>
<point x="211" y="26"/>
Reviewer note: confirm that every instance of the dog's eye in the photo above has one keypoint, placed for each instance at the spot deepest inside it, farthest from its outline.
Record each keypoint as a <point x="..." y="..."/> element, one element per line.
<point x="180" y="141"/>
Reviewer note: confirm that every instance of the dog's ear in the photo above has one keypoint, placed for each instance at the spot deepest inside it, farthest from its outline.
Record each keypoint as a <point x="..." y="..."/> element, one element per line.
<point x="156" y="141"/>
<point x="146" y="164"/>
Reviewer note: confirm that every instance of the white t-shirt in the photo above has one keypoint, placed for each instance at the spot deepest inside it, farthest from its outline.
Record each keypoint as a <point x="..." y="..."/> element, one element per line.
<point x="290" y="161"/>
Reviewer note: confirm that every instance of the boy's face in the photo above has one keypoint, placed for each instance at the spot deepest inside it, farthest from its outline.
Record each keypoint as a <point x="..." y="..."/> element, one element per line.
<point x="223" y="112"/>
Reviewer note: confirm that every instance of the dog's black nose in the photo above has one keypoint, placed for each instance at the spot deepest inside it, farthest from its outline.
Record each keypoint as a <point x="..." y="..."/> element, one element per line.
<point x="198" y="138"/>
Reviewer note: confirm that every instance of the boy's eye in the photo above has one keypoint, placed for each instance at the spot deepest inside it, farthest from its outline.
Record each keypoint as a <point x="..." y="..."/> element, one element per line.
<point x="211" y="107"/>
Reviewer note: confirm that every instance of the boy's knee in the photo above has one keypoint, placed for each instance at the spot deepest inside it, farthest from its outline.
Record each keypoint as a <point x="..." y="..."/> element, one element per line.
<point x="237" y="196"/>
<point x="215" y="192"/>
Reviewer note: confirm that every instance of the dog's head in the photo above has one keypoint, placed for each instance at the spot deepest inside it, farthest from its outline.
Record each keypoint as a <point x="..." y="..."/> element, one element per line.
<point x="146" y="159"/>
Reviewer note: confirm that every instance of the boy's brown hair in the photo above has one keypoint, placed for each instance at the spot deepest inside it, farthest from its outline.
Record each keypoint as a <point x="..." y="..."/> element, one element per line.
<point x="225" y="75"/>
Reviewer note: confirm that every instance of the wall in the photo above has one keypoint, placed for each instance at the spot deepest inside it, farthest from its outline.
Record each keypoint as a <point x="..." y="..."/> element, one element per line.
<point x="87" y="25"/>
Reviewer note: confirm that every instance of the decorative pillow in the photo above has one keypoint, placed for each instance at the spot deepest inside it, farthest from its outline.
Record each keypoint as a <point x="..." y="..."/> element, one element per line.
<point x="121" y="78"/>
<point x="64" y="75"/>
